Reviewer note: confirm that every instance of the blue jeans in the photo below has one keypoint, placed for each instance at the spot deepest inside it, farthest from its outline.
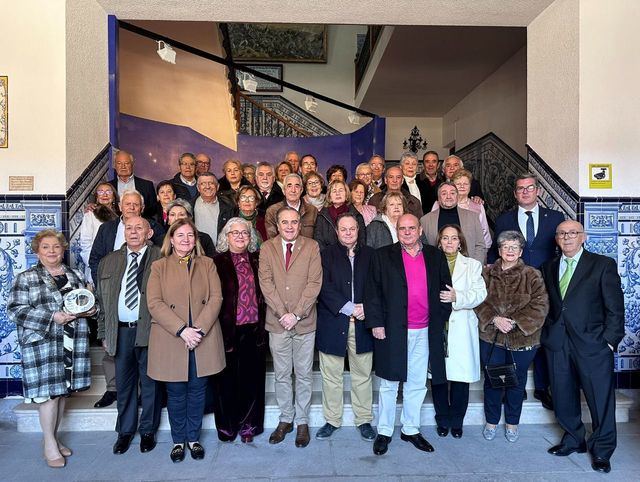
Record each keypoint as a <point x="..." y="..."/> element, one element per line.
<point x="513" y="396"/>
<point x="185" y="405"/>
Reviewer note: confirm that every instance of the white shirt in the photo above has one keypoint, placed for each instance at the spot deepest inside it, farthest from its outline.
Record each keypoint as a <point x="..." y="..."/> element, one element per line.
<point x="284" y="248"/>
<point x="128" y="185"/>
<point x="522" y="219"/>
<point x="124" y="313"/>
<point x="297" y="208"/>
<point x="413" y="186"/>
<point x="119" y="241"/>
<point x="188" y="183"/>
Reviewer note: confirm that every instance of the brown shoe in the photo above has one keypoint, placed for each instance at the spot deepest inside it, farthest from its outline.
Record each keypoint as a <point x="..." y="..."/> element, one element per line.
<point x="302" y="436"/>
<point x="280" y="432"/>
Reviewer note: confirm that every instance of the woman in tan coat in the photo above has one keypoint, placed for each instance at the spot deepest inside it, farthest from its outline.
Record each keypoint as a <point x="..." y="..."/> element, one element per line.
<point x="185" y="343"/>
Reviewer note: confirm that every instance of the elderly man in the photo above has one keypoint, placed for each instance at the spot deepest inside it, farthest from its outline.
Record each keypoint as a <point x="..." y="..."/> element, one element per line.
<point x="125" y="180"/>
<point x="290" y="276"/>
<point x="308" y="164"/>
<point x="292" y="198"/>
<point x="582" y="331"/>
<point x="403" y="309"/>
<point x="538" y="226"/>
<point x="377" y="170"/>
<point x="270" y="192"/>
<point x="293" y="158"/>
<point x="123" y="327"/>
<point x="450" y="213"/>
<point x="111" y="237"/>
<point x="412" y="183"/>
<point x="203" y="164"/>
<point x="453" y="164"/>
<point x="365" y="174"/>
<point x="393" y="183"/>
<point x="431" y="177"/>
<point x="184" y="182"/>
<point x="210" y="211"/>
<point x="341" y="330"/>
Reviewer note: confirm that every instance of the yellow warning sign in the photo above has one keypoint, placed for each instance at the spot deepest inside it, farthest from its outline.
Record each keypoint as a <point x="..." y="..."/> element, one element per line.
<point x="600" y="176"/>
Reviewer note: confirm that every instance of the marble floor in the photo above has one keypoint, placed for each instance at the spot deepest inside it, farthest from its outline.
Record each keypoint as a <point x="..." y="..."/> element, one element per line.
<point x="344" y="457"/>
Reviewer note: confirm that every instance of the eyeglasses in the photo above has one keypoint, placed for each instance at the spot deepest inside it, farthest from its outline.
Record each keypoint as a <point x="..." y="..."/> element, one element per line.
<point x="100" y="192"/>
<point x="568" y="234"/>
<point x="529" y="188"/>
<point x="247" y="198"/>
<point x="510" y="249"/>
<point x="313" y="183"/>
<point x="188" y="164"/>
<point x="203" y="163"/>
<point x="237" y="234"/>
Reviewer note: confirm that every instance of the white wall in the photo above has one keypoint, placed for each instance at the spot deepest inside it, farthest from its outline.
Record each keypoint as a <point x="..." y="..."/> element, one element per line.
<point x="87" y="99"/>
<point x="498" y="104"/>
<point x="32" y="36"/>
<point x="552" y="87"/>
<point x="399" y="128"/>
<point x="609" y="93"/>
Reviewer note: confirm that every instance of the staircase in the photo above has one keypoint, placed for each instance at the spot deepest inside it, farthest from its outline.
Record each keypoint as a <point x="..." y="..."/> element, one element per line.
<point x="81" y="416"/>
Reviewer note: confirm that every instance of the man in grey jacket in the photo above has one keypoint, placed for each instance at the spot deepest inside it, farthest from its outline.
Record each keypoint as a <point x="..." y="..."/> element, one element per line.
<point x="123" y="327"/>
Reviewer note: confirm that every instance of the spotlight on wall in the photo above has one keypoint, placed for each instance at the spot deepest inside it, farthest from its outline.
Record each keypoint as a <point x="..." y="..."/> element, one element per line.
<point x="166" y="53"/>
<point x="249" y="82"/>
<point x="311" y="104"/>
<point x="354" y="118"/>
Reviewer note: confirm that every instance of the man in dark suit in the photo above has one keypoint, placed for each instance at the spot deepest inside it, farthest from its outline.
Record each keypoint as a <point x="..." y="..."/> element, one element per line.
<point x="582" y="330"/>
<point x="184" y="181"/>
<point x="270" y="192"/>
<point x="453" y="164"/>
<point x="403" y="308"/>
<point x="123" y="326"/>
<point x="538" y="226"/>
<point x="125" y="180"/>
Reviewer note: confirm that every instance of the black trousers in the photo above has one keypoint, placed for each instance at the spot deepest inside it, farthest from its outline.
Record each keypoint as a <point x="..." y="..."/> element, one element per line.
<point x="571" y="369"/>
<point x="131" y="370"/>
<point x="541" y="370"/>
<point x="450" y="401"/>
<point x="238" y="402"/>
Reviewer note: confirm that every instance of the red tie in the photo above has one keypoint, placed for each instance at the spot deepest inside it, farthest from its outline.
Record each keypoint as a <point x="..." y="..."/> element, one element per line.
<point x="287" y="257"/>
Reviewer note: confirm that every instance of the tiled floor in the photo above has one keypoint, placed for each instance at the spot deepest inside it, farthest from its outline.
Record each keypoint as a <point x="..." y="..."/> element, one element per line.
<point x="344" y="457"/>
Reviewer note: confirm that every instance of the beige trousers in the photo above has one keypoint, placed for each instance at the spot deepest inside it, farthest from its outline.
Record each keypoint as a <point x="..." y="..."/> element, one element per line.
<point x="332" y="369"/>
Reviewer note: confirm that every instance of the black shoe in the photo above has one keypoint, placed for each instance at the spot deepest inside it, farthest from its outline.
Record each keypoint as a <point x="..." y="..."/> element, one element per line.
<point x="456" y="432"/>
<point x="561" y="450"/>
<point x="381" y="444"/>
<point x="601" y="465"/>
<point x="197" y="451"/>
<point x="442" y="431"/>
<point x="147" y="442"/>
<point x="177" y="453"/>
<point x="545" y="398"/>
<point x="326" y="431"/>
<point x="122" y="444"/>
<point x="224" y="437"/>
<point x="367" y="432"/>
<point x="418" y="442"/>
<point x="107" y="399"/>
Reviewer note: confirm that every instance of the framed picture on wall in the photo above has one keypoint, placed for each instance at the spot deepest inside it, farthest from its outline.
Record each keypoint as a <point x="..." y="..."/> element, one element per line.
<point x="4" y="111"/>
<point x="274" y="70"/>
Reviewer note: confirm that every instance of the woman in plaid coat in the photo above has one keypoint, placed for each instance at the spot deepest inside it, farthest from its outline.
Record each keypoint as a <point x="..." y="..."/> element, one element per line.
<point x="54" y="343"/>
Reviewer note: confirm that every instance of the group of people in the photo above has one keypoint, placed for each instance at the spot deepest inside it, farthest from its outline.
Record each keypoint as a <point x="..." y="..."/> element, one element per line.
<point x="396" y="271"/>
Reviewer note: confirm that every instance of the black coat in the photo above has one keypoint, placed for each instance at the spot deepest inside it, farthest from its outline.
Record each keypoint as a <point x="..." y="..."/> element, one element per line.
<point x="275" y="196"/>
<point x="229" y="283"/>
<point x="332" y="328"/>
<point x="325" y="230"/>
<point x="180" y="189"/>
<point x="426" y="194"/>
<point x="385" y="305"/>
<point x="144" y="187"/>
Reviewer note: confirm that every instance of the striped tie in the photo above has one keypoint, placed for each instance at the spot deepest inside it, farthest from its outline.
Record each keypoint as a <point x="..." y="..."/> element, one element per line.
<point x="131" y="293"/>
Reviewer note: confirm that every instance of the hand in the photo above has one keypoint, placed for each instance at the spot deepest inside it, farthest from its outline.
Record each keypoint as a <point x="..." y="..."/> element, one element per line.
<point x="191" y="337"/>
<point x="378" y="333"/>
<point x="288" y="321"/>
<point x="448" y="295"/>
<point x="503" y="324"/>
<point x="477" y="200"/>
<point x="86" y="314"/>
<point x="89" y="208"/>
<point x="358" y="311"/>
<point x="62" y="317"/>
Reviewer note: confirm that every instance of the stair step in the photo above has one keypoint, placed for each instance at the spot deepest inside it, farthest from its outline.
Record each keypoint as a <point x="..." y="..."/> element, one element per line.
<point x="81" y="416"/>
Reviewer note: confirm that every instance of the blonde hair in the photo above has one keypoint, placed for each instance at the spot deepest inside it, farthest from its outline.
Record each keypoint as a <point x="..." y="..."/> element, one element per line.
<point x="332" y="185"/>
<point x="167" y="248"/>
<point x="48" y="233"/>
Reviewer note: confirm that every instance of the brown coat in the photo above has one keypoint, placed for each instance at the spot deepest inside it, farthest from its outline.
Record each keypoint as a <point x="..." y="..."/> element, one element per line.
<point x="517" y="293"/>
<point x="172" y="289"/>
<point x="308" y="215"/>
<point x="294" y="291"/>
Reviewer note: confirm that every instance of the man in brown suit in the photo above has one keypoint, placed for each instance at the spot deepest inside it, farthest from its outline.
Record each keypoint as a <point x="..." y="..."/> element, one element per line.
<point x="292" y="198"/>
<point x="290" y="276"/>
<point x="450" y="213"/>
<point x="393" y="180"/>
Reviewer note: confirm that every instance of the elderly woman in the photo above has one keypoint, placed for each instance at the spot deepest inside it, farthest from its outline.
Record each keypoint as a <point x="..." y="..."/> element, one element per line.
<point x="511" y="317"/>
<point x="165" y="195"/>
<point x="283" y="169"/>
<point x="358" y="195"/>
<point x="105" y="209"/>
<point x="249" y="173"/>
<point x="53" y="342"/>
<point x="336" y="173"/>
<point x="185" y="341"/>
<point x="336" y="203"/>
<point x="382" y="229"/>
<point x="462" y="360"/>
<point x="313" y="187"/>
<point x="181" y="209"/>
<point x="247" y="200"/>
<point x="462" y="180"/>
<point x="239" y="389"/>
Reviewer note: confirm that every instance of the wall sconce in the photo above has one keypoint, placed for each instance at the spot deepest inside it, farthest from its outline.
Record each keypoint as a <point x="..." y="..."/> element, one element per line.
<point x="166" y="52"/>
<point x="249" y="82"/>
<point x="311" y="104"/>
<point x="415" y="142"/>
<point x="354" y="118"/>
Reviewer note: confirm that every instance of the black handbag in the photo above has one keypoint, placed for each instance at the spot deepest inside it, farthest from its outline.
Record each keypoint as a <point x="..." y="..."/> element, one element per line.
<point x="501" y="376"/>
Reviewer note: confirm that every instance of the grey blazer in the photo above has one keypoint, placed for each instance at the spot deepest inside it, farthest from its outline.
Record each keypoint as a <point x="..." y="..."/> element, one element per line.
<point x="471" y="228"/>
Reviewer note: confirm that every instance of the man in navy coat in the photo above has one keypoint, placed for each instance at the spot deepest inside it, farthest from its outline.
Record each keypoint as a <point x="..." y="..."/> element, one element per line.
<point x="125" y="180"/>
<point x="538" y="226"/>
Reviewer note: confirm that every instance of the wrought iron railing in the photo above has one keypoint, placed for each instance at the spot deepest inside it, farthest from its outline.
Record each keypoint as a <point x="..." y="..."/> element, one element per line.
<point x="257" y="120"/>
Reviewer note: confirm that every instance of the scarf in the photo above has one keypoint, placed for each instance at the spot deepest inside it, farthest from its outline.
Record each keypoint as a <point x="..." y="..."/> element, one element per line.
<point x="392" y="228"/>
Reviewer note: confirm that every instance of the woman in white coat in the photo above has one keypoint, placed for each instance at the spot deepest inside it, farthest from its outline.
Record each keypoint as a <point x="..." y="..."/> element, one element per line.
<point x="462" y="360"/>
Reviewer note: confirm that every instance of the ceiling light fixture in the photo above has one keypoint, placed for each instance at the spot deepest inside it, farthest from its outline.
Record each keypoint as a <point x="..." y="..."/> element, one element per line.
<point x="354" y="118"/>
<point x="311" y="104"/>
<point x="166" y="52"/>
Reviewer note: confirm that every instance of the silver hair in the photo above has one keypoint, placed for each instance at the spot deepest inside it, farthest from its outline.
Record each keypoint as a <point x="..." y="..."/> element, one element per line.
<point x="293" y="174"/>
<point x="186" y="205"/>
<point x="266" y="164"/>
<point x="505" y="236"/>
<point x="222" y="245"/>
<point x="118" y="151"/>
<point x="361" y="165"/>
<point x="452" y="156"/>
<point x="407" y="155"/>
<point x="133" y="192"/>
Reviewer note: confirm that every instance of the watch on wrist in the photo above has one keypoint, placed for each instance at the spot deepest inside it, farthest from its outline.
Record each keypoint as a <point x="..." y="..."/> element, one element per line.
<point x="297" y="317"/>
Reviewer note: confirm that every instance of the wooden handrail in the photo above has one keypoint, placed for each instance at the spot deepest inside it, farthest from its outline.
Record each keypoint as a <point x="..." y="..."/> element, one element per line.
<point x="277" y="116"/>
